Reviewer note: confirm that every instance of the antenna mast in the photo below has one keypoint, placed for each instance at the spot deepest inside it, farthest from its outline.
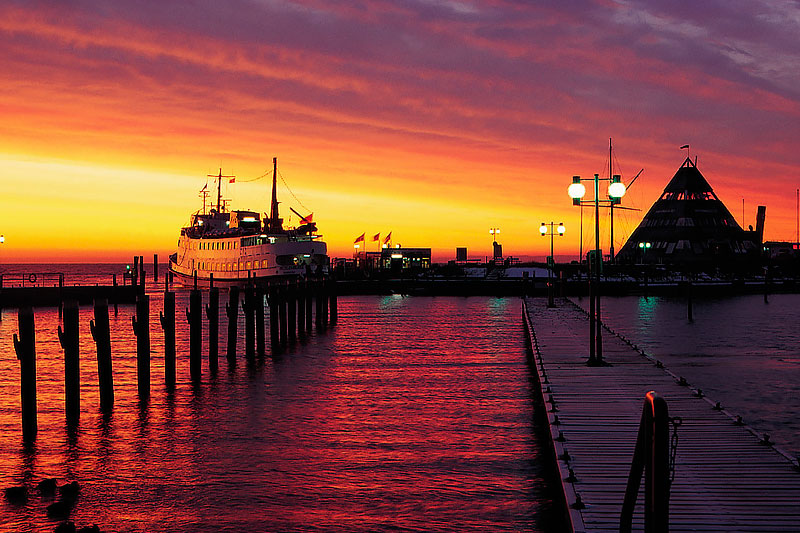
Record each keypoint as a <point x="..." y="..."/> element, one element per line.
<point x="219" y="187"/>
<point x="275" y="222"/>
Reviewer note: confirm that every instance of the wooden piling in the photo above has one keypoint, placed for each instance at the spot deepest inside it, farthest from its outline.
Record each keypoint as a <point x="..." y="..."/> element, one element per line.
<point x="114" y="295"/>
<point x="261" y="348"/>
<point x="155" y="269"/>
<point x="320" y="301"/>
<point x="309" y="290"/>
<point x="300" y="295"/>
<point x="70" y="339"/>
<point x="141" y="275"/>
<point x="283" y="334"/>
<point x="291" y="308"/>
<point x="212" y="313"/>
<point x="333" y="301"/>
<point x="25" y="346"/>
<point x="102" y="338"/>
<point x="232" y="312"/>
<point x="135" y="271"/>
<point x="689" y="311"/>
<point x="249" y="308"/>
<point x="195" y="333"/>
<point x="325" y="301"/>
<point x="274" y="328"/>
<point x="167" y="319"/>
<point x="141" y="328"/>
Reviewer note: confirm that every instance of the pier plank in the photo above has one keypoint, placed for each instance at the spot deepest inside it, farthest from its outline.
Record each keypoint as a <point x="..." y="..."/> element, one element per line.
<point x="726" y="478"/>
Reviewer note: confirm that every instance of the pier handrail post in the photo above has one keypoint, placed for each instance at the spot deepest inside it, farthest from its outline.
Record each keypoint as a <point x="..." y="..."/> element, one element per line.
<point x="99" y="328"/>
<point x="651" y="458"/>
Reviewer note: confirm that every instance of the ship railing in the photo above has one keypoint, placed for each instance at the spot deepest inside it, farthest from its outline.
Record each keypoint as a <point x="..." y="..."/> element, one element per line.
<point x="31" y="279"/>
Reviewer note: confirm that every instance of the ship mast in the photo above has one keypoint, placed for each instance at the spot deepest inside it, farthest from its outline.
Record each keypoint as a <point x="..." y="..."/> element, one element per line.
<point x="275" y="223"/>
<point x="219" y="187"/>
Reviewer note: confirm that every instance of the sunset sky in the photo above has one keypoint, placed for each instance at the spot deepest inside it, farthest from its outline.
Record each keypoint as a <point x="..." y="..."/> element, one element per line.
<point x="435" y="120"/>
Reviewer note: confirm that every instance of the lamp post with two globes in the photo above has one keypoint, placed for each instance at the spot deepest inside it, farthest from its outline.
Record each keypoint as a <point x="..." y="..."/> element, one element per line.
<point x="576" y="191"/>
<point x="551" y="261"/>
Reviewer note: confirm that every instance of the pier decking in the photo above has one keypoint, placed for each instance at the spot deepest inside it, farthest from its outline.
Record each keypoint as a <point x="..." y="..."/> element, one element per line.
<point x="727" y="478"/>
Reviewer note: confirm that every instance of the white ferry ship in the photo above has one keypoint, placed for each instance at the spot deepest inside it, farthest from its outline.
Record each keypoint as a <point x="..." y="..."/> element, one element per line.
<point x="234" y="246"/>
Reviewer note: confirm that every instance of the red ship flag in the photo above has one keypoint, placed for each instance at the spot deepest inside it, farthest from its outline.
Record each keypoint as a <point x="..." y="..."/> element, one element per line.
<point x="360" y="238"/>
<point x="308" y="219"/>
<point x="232" y="180"/>
<point x="388" y="238"/>
<point x="376" y="237"/>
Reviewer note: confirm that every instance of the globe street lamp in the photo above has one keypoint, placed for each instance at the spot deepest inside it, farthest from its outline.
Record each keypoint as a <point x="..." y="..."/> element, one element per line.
<point x="576" y="191"/>
<point x="551" y="259"/>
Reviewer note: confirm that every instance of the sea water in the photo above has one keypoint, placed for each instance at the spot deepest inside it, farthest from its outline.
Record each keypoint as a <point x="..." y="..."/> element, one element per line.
<point x="412" y="414"/>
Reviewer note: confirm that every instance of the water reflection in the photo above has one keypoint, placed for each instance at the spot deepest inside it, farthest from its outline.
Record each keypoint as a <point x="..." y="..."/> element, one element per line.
<point x="414" y="413"/>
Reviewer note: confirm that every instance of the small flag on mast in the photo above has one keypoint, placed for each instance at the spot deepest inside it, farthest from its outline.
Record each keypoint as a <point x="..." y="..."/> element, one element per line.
<point x="376" y="237"/>
<point x="684" y="146"/>
<point x="308" y="219"/>
<point x="388" y="238"/>
<point x="360" y="238"/>
<point x="232" y="180"/>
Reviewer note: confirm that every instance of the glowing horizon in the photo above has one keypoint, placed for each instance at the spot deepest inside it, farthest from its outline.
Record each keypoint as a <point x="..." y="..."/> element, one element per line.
<point x="435" y="121"/>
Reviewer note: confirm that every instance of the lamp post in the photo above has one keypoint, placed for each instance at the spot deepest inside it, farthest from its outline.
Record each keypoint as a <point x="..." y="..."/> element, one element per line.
<point x="576" y="191"/>
<point x="551" y="261"/>
<point x="494" y="232"/>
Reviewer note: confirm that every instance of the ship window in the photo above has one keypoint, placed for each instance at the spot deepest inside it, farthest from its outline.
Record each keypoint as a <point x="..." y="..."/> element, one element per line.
<point x="264" y="263"/>
<point x="248" y="266"/>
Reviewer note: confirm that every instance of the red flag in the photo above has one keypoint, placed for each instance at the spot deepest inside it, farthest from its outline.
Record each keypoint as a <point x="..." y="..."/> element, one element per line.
<point x="232" y="180"/>
<point x="307" y="220"/>
<point x="376" y="237"/>
<point x="359" y="239"/>
<point x="388" y="238"/>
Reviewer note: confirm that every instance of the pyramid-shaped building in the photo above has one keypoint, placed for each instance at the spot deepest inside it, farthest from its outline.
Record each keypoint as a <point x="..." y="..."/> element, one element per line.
<point x="689" y="224"/>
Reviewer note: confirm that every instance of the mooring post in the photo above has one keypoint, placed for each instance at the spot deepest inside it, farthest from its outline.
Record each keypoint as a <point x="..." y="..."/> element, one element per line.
<point x="334" y="301"/>
<point x="212" y="313"/>
<point x="167" y="319"/>
<point x="689" y="313"/>
<point x="323" y="283"/>
<point x="142" y="282"/>
<point x="232" y="312"/>
<point x="102" y="338"/>
<point x="155" y="269"/>
<point x="291" y="308"/>
<point x="309" y="290"/>
<point x="248" y="306"/>
<point x="300" y="297"/>
<point x="115" y="295"/>
<point x="274" y="327"/>
<point x="141" y="328"/>
<point x="259" y="322"/>
<point x="135" y="271"/>
<point x="60" y="294"/>
<point x="25" y="346"/>
<point x="70" y="340"/>
<point x="282" y="318"/>
<point x="317" y="284"/>
<point x="195" y="320"/>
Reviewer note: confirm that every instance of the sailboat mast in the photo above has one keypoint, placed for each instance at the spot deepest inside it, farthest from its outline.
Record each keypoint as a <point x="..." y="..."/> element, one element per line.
<point x="274" y="221"/>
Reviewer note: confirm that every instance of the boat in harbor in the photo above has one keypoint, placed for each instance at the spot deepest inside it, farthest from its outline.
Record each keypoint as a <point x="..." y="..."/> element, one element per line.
<point x="238" y="246"/>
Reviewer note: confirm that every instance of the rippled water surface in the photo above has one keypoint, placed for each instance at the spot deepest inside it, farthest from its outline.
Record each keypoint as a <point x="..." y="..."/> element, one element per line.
<point x="740" y="350"/>
<point x="411" y="414"/>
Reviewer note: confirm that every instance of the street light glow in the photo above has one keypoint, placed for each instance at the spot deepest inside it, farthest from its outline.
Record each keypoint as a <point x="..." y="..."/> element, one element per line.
<point x="543" y="229"/>
<point x="576" y="191"/>
<point x="561" y="229"/>
<point x="616" y="189"/>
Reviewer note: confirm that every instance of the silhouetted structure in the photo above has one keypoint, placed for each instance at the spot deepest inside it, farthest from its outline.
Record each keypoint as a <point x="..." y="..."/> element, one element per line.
<point x="688" y="224"/>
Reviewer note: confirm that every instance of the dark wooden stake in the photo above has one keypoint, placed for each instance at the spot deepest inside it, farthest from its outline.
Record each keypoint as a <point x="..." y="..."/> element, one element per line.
<point x="102" y="338"/>
<point x="260" y="334"/>
<point x="323" y="284"/>
<point x="167" y="319"/>
<point x="291" y="310"/>
<point x="232" y="312"/>
<point x="25" y="346"/>
<point x="300" y="294"/>
<point x="308" y="288"/>
<point x="141" y="328"/>
<point x="155" y="269"/>
<point x="70" y="340"/>
<point x="195" y="320"/>
<point x="212" y="312"/>
<point x="249" y="308"/>
<point x="114" y="295"/>
<point x="320" y="300"/>
<point x="334" y="302"/>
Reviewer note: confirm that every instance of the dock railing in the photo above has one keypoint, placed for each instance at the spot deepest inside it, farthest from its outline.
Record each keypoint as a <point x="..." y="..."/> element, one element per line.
<point x="651" y="457"/>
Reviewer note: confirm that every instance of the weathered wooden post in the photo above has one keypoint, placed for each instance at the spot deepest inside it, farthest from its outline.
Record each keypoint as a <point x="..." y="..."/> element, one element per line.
<point x="248" y="306"/>
<point x="274" y="328"/>
<point x="115" y="294"/>
<point x="155" y="269"/>
<point x="334" y="301"/>
<point x="102" y="338"/>
<point x="212" y="313"/>
<point x="60" y="294"/>
<point x="167" y="319"/>
<point x="141" y="328"/>
<point x="282" y="318"/>
<point x="320" y="300"/>
<point x="259" y="321"/>
<point x="291" y="309"/>
<point x="232" y="312"/>
<point x="300" y="295"/>
<point x="70" y="339"/>
<point x="323" y="282"/>
<point x="135" y="271"/>
<point x="309" y="289"/>
<point x="195" y="320"/>
<point x="142" y="282"/>
<point x="25" y="346"/>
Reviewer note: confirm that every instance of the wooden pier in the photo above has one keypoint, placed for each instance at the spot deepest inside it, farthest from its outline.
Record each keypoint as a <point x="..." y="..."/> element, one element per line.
<point x="727" y="476"/>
